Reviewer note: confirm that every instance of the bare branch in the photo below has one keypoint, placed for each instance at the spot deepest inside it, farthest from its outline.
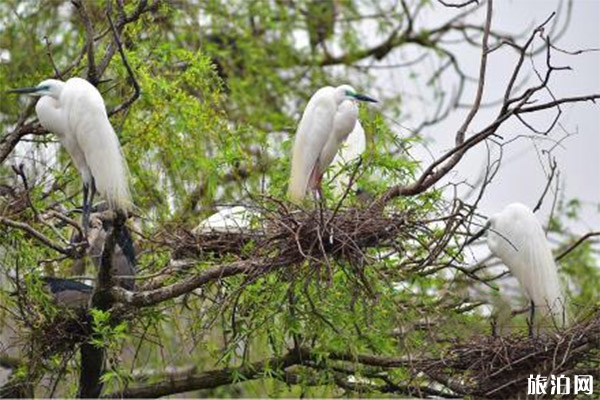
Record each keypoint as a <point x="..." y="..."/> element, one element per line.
<point x="553" y="166"/>
<point x="70" y="251"/>
<point x="573" y="246"/>
<point x="136" y="86"/>
<point x="156" y="296"/>
<point x="551" y="104"/>
<point x="92" y="74"/>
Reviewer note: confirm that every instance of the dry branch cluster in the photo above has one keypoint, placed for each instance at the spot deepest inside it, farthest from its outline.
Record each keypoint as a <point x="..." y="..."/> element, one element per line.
<point x="498" y="367"/>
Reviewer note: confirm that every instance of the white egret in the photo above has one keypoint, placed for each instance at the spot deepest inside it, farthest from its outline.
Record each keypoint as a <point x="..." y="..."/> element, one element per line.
<point x="328" y="119"/>
<point x="74" y="110"/>
<point x="229" y="220"/>
<point x="517" y="238"/>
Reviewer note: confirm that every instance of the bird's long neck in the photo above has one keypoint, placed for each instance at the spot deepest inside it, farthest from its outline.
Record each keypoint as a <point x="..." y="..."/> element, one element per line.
<point x="345" y="120"/>
<point x="50" y="115"/>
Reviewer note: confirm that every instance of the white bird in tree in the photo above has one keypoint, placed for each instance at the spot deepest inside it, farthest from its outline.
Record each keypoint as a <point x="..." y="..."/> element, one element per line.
<point x="518" y="239"/>
<point x="74" y="110"/>
<point x="329" y="117"/>
<point x="237" y="219"/>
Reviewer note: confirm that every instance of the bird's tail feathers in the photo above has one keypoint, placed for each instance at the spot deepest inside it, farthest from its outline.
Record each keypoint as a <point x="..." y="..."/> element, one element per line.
<point x="301" y="181"/>
<point x="299" y="177"/>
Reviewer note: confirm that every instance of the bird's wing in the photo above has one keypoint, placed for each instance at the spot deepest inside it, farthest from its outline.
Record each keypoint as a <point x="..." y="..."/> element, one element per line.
<point x="58" y="285"/>
<point x="543" y="272"/>
<point x="313" y="132"/>
<point x="353" y="147"/>
<point x="521" y="244"/>
<point x="53" y="117"/>
<point x="98" y="141"/>
<point x="344" y="123"/>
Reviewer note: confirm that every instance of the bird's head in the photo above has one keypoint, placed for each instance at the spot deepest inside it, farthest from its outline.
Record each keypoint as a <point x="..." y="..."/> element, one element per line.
<point x="48" y="87"/>
<point x="347" y="92"/>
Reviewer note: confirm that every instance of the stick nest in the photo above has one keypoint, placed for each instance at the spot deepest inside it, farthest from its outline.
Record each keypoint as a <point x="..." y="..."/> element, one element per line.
<point x="498" y="367"/>
<point x="299" y="234"/>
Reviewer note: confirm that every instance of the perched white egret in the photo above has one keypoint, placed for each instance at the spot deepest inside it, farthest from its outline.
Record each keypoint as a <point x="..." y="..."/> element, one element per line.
<point x="74" y="110"/>
<point x="229" y="220"/>
<point x="517" y="238"/>
<point x="329" y="117"/>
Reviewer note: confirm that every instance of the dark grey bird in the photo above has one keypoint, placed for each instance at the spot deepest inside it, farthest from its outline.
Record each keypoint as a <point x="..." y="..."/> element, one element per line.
<point x="123" y="260"/>
<point x="68" y="292"/>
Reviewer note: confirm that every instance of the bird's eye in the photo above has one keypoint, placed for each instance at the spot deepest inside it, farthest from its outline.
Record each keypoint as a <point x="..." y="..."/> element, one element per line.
<point x="349" y="93"/>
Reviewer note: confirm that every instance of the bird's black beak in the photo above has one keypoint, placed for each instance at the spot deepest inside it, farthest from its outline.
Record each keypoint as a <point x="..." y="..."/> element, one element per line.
<point x="478" y="234"/>
<point x="28" y="90"/>
<point x="362" y="97"/>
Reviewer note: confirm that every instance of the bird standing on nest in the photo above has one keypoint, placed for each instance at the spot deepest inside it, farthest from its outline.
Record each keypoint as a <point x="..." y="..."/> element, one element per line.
<point x="329" y="117"/>
<point x="518" y="239"/>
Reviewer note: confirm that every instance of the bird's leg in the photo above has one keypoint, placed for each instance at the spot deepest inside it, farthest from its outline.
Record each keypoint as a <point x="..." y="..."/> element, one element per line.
<point x="320" y="198"/>
<point x="92" y="192"/>
<point x="89" y="190"/>
<point x="85" y="219"/>
<point x="531" y="318"/>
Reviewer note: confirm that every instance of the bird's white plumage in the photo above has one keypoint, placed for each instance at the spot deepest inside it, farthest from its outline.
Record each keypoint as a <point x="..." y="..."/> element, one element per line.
<point x="328" y="119"/>
<point x="353" y="147"/>
<point x="312" y="135"/>
<point x="229" y="220"/>
<point x="350" y="150"/>
<point x="74" y="110"/>
<point x="344" y="123"/>
<point x="517" y="238"/>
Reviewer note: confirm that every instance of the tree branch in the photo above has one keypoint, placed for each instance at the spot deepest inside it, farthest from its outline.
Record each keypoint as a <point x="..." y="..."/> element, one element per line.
<point x="156" y="296"/>
<point x="573" y="246"/>
<point x="214" y="378"/>
<point x="134" y="82"/>
<point x="551" y="104"/>
<point x="92" y="357"/>
<point x="92" y="74"/>
<point x="70" y="251"/>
